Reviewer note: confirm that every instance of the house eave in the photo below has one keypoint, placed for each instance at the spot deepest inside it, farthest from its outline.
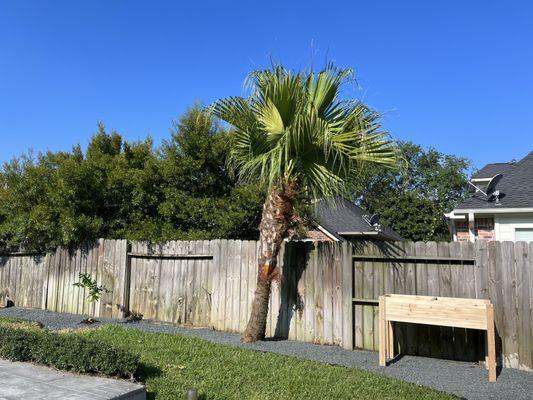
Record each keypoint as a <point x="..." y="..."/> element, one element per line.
<point x="327" y="233"/>
<point x="360" y="233"/>
<point x="491" y="211"/>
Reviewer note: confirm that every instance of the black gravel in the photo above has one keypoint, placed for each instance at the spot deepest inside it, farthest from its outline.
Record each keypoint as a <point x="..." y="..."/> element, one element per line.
<point x="464" y="379"/>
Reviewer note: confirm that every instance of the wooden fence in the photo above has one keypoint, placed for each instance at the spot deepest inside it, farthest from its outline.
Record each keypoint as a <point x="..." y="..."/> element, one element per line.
<point x="212" y="283"/>
<point x="47" y="280"/>
<point x="327" y="292"/>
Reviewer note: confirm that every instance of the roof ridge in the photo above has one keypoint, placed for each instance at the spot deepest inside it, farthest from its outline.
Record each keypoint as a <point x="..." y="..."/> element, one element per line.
<point x="527" y="156"/>
<point x="498" y="163"/>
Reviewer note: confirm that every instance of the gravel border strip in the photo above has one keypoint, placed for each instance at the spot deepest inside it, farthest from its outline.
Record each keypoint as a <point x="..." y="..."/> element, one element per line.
<point x="464" y="379"/>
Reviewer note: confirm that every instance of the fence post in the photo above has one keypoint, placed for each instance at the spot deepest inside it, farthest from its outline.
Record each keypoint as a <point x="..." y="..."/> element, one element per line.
<point x="347" y="295"/>
<point x="125" y="275"/>
<point x="48" y="260"/>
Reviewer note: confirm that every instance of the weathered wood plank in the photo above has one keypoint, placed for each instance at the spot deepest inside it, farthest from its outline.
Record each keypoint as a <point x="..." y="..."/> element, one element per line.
<point x="458" y="275"/>
<point x="223" y="281"/>
<point x="166" y="281"/>
<point x="510" y="305"/>
<point x="337" y="299"/>
<point x="230" y="277"/>
<point x="120" y="284"/>
<point x="495" y="290"/>
<point x="527" y="302"/>
<point x="236" y="294"/>
<point x="433" y="290"/>
<point x="100" y="279"/>
<point x="481" y="269"/>
<point x="380" y="270"/>
<point x="214" y="281"/>
<point x="70" y="271"/>
<point x="318" y="298"/>
<point x="347" y="294"/>
<point x="182" y="284"/>
<point x="522" y="292"/>
<point x="51" y="282"/>
<point x="422" y="331"/>
<point x="368" y="293"/>
<point x="328" y="272"/>
<point x="474" y="339"/>
<point x="4" y="259"/>
<point x="296" y="321"/>
<point x="252" y="271"/>
<point x="411" y="339"/>
<point x="134" y="282"/>
<point x="196" y="282"/>
<point x="445" y="290"/>
<point x="275" y="294"/>
<point x="358" y="308"/>
<point x="142" y="278"/>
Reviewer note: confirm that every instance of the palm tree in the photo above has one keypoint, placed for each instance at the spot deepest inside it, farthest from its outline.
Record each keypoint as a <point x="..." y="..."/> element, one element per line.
<point x="297" y="137"/>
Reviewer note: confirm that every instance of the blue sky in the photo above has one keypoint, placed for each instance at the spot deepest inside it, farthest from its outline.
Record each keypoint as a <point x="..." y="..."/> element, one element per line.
<point x="454" y="75"/>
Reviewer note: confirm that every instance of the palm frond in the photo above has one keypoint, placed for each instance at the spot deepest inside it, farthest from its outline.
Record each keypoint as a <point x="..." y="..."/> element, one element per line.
<point x="294" y="126"/>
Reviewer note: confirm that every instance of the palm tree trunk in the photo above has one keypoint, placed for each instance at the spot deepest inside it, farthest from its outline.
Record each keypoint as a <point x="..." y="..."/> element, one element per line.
<point x="275" y="220"/>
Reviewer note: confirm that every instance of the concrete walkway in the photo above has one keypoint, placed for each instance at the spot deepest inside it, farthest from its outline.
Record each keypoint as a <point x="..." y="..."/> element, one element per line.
<point x="24" y="381"/>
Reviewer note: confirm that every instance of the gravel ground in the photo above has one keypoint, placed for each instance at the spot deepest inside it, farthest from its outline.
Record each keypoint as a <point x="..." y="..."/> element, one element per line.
<point x="466" y="380"/>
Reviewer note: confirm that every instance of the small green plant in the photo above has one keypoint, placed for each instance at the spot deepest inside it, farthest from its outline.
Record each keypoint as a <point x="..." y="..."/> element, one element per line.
<point x="94" y="291"/>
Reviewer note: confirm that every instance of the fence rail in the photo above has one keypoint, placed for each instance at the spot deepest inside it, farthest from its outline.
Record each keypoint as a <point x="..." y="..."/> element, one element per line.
<point x="327" y="292"/>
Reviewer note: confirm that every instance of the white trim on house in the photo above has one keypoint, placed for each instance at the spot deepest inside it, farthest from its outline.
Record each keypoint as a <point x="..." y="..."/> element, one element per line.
<point x="492" y="210"/>
<point x="451" y="215"/>
<point x="327" y="233"/>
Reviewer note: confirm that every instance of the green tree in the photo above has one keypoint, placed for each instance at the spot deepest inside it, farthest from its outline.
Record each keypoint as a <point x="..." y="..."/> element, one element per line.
<point x="413" y="200"/>
<point x="294" y="135"/>
<point x="201" y="199"/>
<point x="120" y="189"/>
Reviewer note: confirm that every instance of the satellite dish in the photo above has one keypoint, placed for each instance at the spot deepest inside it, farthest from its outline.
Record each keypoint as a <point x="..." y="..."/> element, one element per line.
<point x="491" y="187"/>
<point x="373" y="221"/>
<point x="491" y="191"/>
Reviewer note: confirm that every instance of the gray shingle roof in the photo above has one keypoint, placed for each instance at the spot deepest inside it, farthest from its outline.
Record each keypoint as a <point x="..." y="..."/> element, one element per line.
<point x="516" y="185"/>
<point x="342" y="215"/>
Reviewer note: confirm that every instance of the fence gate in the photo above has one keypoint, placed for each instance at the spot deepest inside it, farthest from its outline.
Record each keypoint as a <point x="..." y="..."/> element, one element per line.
<point x="432" y="269"/>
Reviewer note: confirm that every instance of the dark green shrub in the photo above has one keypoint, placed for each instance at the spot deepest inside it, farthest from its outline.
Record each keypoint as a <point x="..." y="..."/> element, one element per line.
<point x="66" y="351"/>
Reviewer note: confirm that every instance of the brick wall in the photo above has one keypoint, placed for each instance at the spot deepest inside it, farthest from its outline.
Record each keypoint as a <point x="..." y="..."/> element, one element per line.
<point x="461" y="228"/>
<point x="483" y="229"/>
<point x="318" y="235"/>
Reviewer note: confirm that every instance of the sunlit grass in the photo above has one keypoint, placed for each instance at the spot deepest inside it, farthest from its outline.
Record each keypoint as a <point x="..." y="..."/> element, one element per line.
<point x="174" y="363"/>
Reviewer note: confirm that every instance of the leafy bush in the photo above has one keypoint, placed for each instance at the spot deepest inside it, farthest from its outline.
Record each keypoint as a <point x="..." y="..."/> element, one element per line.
<point x="129" y="190"/>
<point x="66" y="351"/>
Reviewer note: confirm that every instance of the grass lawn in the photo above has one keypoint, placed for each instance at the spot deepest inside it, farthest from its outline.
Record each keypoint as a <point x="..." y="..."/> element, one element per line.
<point x="173" y="363"/>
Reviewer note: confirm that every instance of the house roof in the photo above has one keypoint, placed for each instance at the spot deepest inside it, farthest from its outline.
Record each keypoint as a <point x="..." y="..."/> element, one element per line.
<point x="342" y="219"/>
<point x="516" y="185"/>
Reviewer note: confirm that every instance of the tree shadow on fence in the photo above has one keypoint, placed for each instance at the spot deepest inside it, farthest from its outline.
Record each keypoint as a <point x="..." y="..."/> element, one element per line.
<point x="295" y="261"/>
